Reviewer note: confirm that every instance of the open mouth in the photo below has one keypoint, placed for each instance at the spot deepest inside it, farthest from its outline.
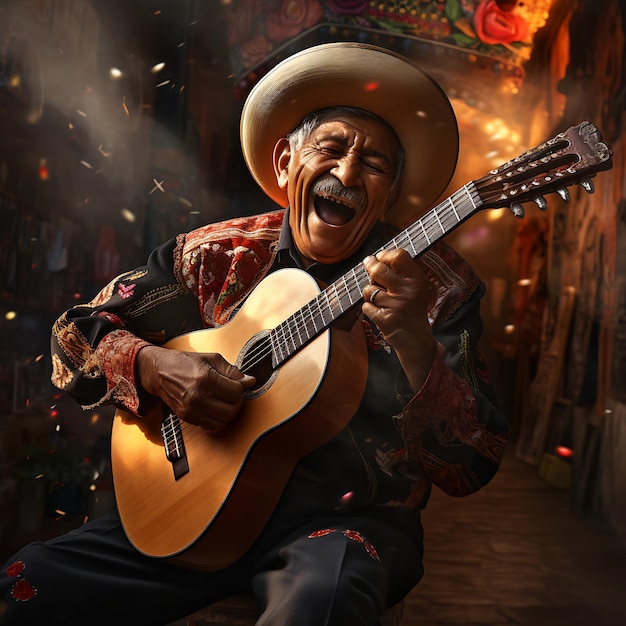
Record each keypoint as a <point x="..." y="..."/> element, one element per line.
<point x="332" y="210"/>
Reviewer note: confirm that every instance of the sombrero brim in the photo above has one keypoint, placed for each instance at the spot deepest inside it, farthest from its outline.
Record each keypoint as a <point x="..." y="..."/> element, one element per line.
<point x="367" y="77"/>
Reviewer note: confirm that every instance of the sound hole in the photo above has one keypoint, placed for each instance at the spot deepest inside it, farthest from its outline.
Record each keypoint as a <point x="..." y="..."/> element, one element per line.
<point x="255" y="359"/>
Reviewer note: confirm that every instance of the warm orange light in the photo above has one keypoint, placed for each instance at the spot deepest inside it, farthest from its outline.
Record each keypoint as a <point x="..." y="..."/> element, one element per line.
<point x="44" y="174"/>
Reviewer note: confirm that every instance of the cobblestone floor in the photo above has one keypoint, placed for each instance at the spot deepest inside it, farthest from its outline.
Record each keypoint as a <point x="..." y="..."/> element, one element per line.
<point x="516" y="554"/>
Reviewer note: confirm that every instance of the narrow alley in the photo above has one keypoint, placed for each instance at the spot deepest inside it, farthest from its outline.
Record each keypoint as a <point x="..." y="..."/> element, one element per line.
<point x="515" y="553"/>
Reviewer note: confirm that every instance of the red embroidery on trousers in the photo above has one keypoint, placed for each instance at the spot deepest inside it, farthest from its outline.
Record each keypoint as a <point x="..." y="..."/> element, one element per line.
<point x="353" y="535"/>
<point x="22" y="590"/>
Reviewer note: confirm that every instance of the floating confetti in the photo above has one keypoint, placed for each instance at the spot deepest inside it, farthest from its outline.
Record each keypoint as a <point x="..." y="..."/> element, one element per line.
<point x="346" y="497"/>
<point x="157" y="185"/>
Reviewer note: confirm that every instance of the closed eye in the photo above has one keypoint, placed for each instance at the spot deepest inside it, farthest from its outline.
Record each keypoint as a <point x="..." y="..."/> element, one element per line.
<point x="376" y="167"/>
<point x="334" y="152"/>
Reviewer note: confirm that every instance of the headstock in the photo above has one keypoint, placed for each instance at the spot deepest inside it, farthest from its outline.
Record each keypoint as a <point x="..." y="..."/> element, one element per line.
<point x="571" y="157"/>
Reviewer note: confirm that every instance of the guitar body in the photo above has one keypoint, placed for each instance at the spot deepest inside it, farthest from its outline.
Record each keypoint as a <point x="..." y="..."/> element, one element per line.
<point x="209" y="516"/>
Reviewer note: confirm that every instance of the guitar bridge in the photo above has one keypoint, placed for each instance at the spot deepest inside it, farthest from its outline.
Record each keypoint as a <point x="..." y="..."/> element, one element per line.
<point x="174" y="445"/>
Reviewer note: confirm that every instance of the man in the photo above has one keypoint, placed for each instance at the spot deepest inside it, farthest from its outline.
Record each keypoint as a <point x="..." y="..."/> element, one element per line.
<point x="354" y="141"/>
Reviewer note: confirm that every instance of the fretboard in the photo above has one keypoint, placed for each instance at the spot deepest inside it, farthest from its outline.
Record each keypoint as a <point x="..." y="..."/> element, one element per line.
<point x="340" y="296"/>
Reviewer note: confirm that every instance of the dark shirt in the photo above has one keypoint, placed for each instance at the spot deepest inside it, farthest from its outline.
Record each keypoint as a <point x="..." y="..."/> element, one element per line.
<point x="365" y="467"/>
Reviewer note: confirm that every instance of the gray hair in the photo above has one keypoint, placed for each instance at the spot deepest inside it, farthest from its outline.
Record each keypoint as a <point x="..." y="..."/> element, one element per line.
<point x="303" y="131"/>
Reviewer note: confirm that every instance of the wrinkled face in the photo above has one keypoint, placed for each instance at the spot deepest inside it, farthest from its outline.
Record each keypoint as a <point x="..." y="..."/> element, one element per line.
<point x="339" y="184"/>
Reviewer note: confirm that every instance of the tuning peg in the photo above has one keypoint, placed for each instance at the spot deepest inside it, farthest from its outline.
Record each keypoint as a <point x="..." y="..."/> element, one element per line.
<point x="540" y="201"/>
<point x="587" y="185"/>
<point x="518" y="210"/>
<point x="564" y="193"/>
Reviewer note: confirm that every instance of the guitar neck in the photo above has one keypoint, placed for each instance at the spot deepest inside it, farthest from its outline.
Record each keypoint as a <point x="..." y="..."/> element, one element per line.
<point x="346" y="292"/>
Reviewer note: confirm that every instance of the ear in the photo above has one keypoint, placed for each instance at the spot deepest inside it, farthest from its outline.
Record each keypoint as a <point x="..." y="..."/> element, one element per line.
<point x="281" y="159"/>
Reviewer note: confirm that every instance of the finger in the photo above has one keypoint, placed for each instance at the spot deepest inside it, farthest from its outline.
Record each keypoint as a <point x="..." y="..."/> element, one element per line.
<point x="236" y="374"/>
<point x="380" y="273"/>
<point x="228" y="390"/>
<point x="227" y="372"/>
<point x="372" y="293"/>
<point x="214" y="419"/>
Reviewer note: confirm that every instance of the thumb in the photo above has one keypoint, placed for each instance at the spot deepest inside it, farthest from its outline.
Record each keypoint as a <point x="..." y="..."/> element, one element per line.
<point x="247" y="381"/>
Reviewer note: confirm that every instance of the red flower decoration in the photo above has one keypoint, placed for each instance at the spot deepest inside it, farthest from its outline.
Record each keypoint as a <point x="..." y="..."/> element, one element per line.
<point x="321" y="533"/>
<point x="495" y="25"/>
<point x="126" y="290"/>
<point x="354" y="535"/>
<point x="15" y="569"/>
<point x="350" y="534"/>
<point x="371" y="551"/>
<point x="293" y="17"/>
<point x="23" y="590"/>
<point x="254" y="50"/>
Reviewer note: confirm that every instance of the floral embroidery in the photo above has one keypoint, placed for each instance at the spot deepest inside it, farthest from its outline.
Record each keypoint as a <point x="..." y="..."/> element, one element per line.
<point x="375" y="341"/>
<point x="153" y="298"/>
<point x="466" y="366"/>
<point x="104" y="296"/>
<point x="371" y="550"/>
<point x="136" y="275"/>
<point x="72" y="341"/>
<point x="293" y="17"/>
<point x="115" y="320"/>
<point x="223" y="262"/>
<point x="125" y="291"/>
<point x="234" y="285"/>
<point x="62" y="375"/>
<point x="389" y="460"/>
<point x="117" y="352"/>
<point x="15" y="569"/>
<point x="353" y="535"/>
<point x="22" y="590"/>
<point x="321" y="533"/>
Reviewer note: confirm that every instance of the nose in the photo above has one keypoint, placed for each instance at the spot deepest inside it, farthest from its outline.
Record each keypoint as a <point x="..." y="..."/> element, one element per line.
<point x="347" y="170"/>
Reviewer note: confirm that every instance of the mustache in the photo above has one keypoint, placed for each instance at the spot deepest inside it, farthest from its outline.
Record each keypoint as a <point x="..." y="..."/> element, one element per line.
<point x="328" y="185"/>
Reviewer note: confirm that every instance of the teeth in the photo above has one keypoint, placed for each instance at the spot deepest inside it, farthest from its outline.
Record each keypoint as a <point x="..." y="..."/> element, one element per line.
<point x="336" y="200"/>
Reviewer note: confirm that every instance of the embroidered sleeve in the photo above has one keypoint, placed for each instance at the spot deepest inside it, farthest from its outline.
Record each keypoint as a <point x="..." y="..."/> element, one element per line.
<point x="452" y="426"/>
<point x="188" y="283"/>
<point x="94" y="345"/>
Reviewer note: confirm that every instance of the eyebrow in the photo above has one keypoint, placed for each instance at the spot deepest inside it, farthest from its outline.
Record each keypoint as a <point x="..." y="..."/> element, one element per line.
<point x="343" y="140"/>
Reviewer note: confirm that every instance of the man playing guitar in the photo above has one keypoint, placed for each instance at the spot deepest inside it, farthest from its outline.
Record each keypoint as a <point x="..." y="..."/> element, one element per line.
<point x="291" y="455"/>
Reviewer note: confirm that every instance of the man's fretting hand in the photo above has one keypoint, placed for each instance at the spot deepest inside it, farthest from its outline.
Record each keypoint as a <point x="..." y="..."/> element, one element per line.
<point x="397" y="302"/>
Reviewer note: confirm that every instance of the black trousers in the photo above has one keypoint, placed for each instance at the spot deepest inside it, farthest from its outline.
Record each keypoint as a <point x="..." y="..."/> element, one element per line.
<point x="341" y="571"/>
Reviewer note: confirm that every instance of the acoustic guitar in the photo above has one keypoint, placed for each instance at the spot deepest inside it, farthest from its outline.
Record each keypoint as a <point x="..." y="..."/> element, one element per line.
<point x="203" y="498"/>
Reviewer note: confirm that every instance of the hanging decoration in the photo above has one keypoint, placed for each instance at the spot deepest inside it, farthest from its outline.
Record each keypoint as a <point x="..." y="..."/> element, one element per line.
<point x="449" y="36"/>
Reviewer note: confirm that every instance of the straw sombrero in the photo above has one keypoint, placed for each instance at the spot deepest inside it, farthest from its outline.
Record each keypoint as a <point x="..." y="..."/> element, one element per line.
<point x="367" y="77"/>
